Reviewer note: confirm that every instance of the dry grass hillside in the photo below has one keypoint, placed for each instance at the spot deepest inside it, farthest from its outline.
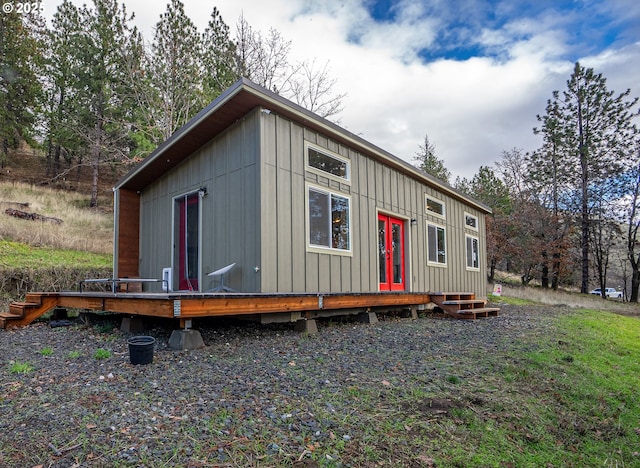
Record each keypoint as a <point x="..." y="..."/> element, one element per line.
<point x="567" y="298"/>
<point x="81" y="229"/>
<point x="66" y="242"/>
<point x="26" y="186"/>
<point x="28" y="166"/>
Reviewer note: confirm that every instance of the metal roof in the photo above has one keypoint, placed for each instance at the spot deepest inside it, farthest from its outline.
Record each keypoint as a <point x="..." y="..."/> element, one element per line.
<point x="233" y="104"/>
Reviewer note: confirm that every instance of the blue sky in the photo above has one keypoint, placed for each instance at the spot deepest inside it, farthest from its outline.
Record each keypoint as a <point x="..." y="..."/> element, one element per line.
<point x="471" y="74"/>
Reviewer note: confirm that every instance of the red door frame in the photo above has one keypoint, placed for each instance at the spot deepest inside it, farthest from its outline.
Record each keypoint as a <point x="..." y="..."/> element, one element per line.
<point x="185" y="283"/>
<point x="390" y="243"/>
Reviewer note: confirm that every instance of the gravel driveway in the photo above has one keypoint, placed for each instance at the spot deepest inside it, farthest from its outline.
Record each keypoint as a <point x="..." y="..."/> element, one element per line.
<point x="256" y="395"/>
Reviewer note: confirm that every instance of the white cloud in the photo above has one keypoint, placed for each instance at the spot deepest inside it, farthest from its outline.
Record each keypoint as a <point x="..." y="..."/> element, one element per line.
<point x="472" y="110"/>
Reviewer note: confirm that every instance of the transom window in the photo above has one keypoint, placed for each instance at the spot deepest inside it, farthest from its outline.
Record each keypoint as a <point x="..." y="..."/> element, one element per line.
<point x="437" y="244"/>
<point x="435" y="206"/>
<point x="329" y="220"/>
<point x="473" y="252"/>
<point x="471" y="221"/>
<point x="328" y="163"/>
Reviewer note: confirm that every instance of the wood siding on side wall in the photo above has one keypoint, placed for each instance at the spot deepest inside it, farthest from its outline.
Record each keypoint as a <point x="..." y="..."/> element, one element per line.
<point x="128" y="234"/>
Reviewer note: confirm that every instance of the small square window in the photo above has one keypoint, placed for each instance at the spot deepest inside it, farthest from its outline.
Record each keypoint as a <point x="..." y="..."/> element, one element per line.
<point x="435" y="206"/>
<point x="470" y="221"/>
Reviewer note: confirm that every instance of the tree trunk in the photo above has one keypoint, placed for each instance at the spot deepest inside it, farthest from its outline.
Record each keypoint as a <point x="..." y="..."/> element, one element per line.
<point x="635" y="284"/>
<point x="4" y="153"/>
<point x="95" y="165"/>
<point x="584" y="176"/>
<point x="544" y="278"/>
<point x="492" y="271"/>
<point x="49" y="157"/>
<point x="555" y="275"/>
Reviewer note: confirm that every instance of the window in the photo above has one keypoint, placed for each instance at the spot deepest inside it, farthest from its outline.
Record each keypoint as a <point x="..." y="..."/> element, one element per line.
<point x="470" y="221"/>
<point x="329" y="223"/>
<point x="473" y="253"/>
<point x="330" y="164"/>
<point x="437" y="248"/>
<point x="435" y="206"/>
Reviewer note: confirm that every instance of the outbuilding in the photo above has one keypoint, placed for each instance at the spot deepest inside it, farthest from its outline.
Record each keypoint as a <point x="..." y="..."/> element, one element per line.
<point x="296" y="203"/>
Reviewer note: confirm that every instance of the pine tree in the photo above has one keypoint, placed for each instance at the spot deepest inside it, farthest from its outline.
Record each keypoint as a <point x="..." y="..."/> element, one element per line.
<point x="633" y="223"/>
<point x="103" y="87"/>
<point x="586" y="148"/>
<point x="218" y="57"/>
<point x="175" y="71"/>
<point x="427" y="160"/>
<point x="61" y="107"/>
<point x="20" y="88"/>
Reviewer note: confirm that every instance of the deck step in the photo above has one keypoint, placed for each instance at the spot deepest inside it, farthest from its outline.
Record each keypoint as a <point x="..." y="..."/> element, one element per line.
<point x="18" y="308"/>
<point x="463" y="305"/>
<point x="23" y="313"/>
<point x="475" y="313"/>
<point x="467" y="302"/>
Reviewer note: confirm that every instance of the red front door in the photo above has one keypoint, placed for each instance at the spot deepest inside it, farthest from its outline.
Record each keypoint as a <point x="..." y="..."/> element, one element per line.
<point x="391" y="253"/>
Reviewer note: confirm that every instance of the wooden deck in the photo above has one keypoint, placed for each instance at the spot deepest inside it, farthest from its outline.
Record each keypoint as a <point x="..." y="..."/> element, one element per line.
<point x="186" y="306"/>
<point x="265" y="307"/>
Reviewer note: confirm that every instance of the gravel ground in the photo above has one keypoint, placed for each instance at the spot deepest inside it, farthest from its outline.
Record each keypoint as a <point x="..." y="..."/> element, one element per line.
<point x="255" y="395"/>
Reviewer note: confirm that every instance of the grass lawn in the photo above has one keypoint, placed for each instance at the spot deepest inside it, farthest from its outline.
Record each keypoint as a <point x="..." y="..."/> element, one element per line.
<point x="18" y="255"/>
<point x="573" y="401"/>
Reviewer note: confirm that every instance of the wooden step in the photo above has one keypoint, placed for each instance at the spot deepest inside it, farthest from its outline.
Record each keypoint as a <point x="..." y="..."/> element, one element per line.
<point x="474" y="303"/>
<point x="23" y="313"/>
<point x="475" y="313"/>
<point x="18" y="308"/>
<point x="5" y="317"/>
<point x="452" y="296"/>
<point x="465" y="301"/>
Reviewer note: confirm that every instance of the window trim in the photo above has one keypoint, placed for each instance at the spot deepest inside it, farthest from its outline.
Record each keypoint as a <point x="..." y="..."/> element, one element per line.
<point x="442" y="215"/>
<point x="469" y="215"/>
<point x="331" y="154"/>
<point x="444" y="230"/>
<point x="320" y="248"/>
<point x="466" y="251"/>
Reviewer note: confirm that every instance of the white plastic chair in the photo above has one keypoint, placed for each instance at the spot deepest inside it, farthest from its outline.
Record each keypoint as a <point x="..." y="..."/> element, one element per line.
<point x="220" y="273"/>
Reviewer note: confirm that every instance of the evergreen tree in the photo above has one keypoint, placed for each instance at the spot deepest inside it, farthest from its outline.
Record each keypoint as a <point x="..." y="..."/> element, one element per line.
<point x="20" y="88"/>
<point x="61" y="106"/>
<point x="218" y="57"/>
<point x="487" y="187"/>
<point x="633" y="223"/>
<point x="586" y="135"/>
<point x="103" y="90"/>
<point x="175" y="71"/>
<point x="427" y="160"/>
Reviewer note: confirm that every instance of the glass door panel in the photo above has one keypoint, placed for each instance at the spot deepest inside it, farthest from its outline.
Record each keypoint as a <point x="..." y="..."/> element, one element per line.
<point x="188" y="242"/>
<point x="391" y="253"/>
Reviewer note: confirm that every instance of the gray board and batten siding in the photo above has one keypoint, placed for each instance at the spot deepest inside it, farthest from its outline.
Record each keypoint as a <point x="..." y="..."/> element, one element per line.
<point x="228" y="167"/>
<point x="288" y="264"/>
<point x="255" y="211"/>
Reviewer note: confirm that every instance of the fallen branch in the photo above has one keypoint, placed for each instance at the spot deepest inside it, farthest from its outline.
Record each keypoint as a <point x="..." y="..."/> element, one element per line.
<point x="11" y="203"/>
<point x="31" y="216"/>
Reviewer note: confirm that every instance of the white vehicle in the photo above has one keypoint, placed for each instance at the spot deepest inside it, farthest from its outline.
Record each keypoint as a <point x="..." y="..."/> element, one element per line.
<point x="610" y="292"/>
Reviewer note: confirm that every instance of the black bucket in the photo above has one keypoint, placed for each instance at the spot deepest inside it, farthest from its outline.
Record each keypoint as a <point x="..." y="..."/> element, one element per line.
<point x="141" y="349"/>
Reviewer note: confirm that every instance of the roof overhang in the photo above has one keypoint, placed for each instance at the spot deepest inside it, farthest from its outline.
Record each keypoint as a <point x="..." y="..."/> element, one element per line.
<point x="238" y="100"/>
